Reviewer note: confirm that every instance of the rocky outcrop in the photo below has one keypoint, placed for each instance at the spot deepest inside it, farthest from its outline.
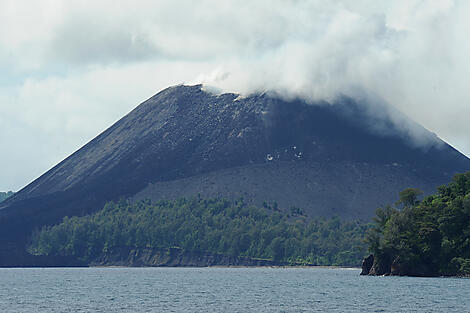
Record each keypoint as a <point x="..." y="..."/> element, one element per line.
<point x="377" y="266"/>
<point x="367" y="264"/>
<point x="174" y="257"/>
<point x="132" y="257"/>
<point x="383" y="266"/>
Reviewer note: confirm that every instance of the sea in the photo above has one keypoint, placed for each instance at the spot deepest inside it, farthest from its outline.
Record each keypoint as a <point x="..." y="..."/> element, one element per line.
<point x="225" y="290"/>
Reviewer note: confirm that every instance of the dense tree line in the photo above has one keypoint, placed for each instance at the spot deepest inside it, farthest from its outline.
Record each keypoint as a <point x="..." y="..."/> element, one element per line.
<point x="428" y="237"/>
<point x="4" y="195"/>
<point x="210" y="225"/>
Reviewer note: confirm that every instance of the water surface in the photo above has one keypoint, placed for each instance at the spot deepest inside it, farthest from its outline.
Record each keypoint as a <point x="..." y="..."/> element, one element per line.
<point x="225" y="290"/>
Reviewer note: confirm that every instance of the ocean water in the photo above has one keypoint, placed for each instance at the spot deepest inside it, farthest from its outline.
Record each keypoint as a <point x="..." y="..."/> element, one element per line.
<point x="225" y="290"/>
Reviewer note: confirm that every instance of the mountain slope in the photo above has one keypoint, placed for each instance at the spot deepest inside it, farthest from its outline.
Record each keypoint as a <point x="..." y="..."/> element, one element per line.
<point x="324" y="158"/>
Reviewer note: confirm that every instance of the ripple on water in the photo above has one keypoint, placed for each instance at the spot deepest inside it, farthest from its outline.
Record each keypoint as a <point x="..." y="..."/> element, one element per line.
<point x="225" y="290"/>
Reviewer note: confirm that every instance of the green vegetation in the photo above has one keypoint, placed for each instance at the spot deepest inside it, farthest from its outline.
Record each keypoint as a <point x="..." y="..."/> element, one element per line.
<point x="210" y="225"/>
<point x="428" y="237"/>
<point x="4" y="195"/>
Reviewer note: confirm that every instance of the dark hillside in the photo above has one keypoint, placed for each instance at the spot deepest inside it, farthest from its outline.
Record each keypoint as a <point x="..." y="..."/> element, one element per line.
<point x="183" y="141"/>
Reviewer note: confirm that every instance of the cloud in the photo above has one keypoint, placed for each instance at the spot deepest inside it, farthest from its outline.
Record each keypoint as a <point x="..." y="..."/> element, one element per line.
<point x="46" y="119"/>
<point x="69" y="69"/>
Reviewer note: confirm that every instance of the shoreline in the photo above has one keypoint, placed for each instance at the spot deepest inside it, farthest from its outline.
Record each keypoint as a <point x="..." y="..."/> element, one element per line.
<point x="195" y="267"/>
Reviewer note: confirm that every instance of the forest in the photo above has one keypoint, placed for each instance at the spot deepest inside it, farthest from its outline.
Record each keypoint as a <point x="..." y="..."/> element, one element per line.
<point x="428" y="237"/>
<point x="209" y="225"/>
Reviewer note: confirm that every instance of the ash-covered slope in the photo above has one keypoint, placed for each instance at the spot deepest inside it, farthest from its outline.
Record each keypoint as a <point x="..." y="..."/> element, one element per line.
<point x="183" y="141"/>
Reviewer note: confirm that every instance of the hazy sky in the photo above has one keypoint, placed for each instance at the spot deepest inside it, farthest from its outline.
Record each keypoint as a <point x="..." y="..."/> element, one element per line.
<point x="69" y="69"/>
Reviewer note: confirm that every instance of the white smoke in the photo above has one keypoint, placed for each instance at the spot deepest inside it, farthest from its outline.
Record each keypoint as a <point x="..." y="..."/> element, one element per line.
<point x="410" y="54"/>
<point x="69" y="69"/>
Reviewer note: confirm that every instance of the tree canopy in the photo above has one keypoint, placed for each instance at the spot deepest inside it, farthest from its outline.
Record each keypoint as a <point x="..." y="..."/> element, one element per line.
<point x="428" y="237"/>
<point x="209" y="225"/>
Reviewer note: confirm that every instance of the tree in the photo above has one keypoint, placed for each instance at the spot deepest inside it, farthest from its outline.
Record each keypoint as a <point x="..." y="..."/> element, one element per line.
<point x="428" y="237"/>
<point x="205" y="225"/>
<point x="409" y="197"/>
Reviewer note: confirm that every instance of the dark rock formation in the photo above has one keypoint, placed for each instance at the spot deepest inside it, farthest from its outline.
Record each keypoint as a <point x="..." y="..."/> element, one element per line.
<point x="367" y="264"/>
<point x="174" y="257"/>
<point x="326" y="159"/>
<point x="384" y="267"/>
<point x="380" y="266"/>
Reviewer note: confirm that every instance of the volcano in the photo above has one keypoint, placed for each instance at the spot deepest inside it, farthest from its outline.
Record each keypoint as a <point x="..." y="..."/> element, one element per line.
<point x="328" y="159"/>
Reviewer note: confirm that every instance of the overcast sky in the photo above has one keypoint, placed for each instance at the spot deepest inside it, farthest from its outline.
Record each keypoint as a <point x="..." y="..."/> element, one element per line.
<point x="69" y="69"/>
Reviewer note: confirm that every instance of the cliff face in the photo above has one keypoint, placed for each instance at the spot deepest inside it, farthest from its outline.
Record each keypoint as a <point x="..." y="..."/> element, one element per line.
<point x="376" y="267"/>
<point x="326" y="159"/>
<point x="173" y="257"/>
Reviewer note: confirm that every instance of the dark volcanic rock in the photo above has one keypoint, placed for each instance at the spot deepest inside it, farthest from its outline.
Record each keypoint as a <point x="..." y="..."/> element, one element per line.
<point x="367" y="264"/>
<point x="383" y="266"/>
<point x="326" y="159"/>
<point x="174" y="257"/>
